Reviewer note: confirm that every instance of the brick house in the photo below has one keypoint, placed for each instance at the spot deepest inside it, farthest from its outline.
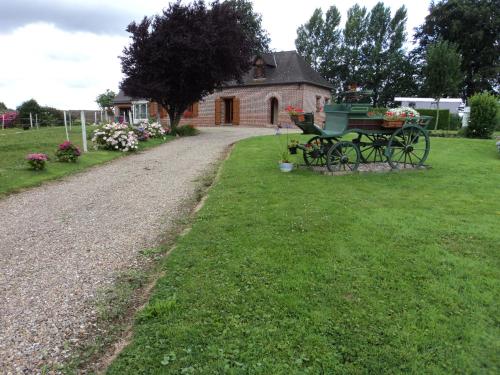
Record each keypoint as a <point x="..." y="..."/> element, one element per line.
<point x="275" y="81"/>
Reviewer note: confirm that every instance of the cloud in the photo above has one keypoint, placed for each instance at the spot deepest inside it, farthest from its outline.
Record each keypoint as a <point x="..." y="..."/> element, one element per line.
<point x="69" y="16"/>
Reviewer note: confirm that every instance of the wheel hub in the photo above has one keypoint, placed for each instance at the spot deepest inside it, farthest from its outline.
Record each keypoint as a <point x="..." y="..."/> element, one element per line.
<point x="409" y="149"/>
<point x="344" y="159"/>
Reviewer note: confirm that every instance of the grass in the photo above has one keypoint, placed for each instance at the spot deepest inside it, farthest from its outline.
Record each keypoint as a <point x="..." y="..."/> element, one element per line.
<point x="303" y="273"/>
<point x="15" y="144"/>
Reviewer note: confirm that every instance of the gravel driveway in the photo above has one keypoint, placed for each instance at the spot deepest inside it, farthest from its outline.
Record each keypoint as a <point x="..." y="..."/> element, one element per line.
<point x="63" y="241"/>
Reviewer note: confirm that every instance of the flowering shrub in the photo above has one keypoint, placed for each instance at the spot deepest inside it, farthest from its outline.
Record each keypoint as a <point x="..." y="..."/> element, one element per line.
<point x="67" y="152"/>
<point x="115" y="137"/>
<point x="154" y="129"/>
<point x="401" y="114"/>
<point x="37" y="161"/>
<point x="141" y="133"/>
<point x="292" y="111"/>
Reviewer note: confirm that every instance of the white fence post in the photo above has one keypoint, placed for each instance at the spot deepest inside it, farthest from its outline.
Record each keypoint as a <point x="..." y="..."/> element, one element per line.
<point x="66" y="126"/>
<point x="69" y="114"/>
<point x="31" y="120"/>
<point x="95" y="117"/>
<point x="84" y="132"/>
<point x="36" y="121"/>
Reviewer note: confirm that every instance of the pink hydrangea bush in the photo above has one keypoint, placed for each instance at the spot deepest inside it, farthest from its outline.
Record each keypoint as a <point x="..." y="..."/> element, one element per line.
<point x="67" y="152"/>
<point x="154" y="129"/>
<point x="37" y="161"/>
<point x="116" y="137"/>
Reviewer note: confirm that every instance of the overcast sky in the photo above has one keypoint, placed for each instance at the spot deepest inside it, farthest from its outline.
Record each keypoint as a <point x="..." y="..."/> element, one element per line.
<point x="64" y="53"/>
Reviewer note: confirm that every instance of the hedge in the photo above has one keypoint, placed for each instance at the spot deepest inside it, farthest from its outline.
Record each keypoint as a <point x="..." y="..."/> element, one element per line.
<point x="444" y="117"/>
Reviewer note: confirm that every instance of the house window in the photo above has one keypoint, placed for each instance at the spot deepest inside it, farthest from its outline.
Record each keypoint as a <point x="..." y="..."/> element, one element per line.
<point x="259" y="69"/>
<point x="327" y="100"/>
<point x="140" y="111"/>
<point x="412" y="105"/>
<point x="318" y="103"/>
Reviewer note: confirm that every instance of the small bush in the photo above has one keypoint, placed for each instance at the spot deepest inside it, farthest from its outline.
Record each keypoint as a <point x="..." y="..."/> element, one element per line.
<point x="483" y="112"/>
<point x="67" y="152"/>
<point x="117" y="137"/>
<point x="444" y="117"/>
<point x="37" y="161"/>
<point x="186" y="131"/>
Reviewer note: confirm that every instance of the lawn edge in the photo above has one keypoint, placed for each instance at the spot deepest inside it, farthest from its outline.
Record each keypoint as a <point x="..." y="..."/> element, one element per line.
<point x="111" y="337"/>
<point x="60" y="178"/>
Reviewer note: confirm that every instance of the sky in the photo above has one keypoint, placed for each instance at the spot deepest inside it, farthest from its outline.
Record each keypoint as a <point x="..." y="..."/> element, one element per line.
<point x="64" y="53"/>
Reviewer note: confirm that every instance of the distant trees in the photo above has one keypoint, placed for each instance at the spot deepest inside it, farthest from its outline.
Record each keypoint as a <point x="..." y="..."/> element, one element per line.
<point x="474" y="27"/>
<point x="183" y="54"/>
<point x="3" y="107"/>
<point x="45" y="115"/>
<point x="367" y="51"/>
<point x="370" y="48"/>
<point x="442" y="72"/>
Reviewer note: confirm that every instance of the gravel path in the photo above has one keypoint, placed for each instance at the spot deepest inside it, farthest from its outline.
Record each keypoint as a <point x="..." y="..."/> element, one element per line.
<point x="63" y="241"/>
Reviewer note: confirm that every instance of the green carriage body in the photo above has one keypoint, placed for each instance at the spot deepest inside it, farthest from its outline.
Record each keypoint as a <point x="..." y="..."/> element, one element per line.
<point x="372" y="141"/>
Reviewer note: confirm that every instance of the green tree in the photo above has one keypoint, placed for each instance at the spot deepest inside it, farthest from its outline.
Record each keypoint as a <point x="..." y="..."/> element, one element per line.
<point x="354" y="38"/>
<point x="442" y="72"/>
<point x="3" y="107"/>
<point x="318" y="41"/>
<point x="383" y="53"/>
<point x="27" y="107"/>
<point x="474" y="26"/>
<point x="105" y="100"/>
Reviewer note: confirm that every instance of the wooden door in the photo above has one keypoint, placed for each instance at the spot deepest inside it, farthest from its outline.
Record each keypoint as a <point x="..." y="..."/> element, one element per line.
<point x="236" y="111"/>
<point x="218" y="110"/>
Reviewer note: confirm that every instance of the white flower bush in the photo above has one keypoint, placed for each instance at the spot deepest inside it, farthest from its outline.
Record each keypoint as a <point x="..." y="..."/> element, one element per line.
<point x="119" y="137"/>
<point x="154" y="129"/>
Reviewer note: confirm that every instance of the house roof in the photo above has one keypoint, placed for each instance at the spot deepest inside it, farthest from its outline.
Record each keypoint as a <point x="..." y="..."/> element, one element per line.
<point x="280" y="68"/>
<point x="121" y="98"/>
<point x="286" y="67"/>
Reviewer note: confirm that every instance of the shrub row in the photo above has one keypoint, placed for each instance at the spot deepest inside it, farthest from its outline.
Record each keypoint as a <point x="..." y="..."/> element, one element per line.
<point x="444" y="117"/>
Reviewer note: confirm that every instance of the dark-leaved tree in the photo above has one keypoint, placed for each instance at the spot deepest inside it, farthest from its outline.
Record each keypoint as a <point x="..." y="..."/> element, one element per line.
<point x="183" y="54"/>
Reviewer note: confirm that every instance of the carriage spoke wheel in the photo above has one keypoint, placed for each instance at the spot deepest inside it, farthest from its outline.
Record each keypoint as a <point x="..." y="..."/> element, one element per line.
<point x="343" y="156"/>
<point x="372" y="149"/>
<point x="317" y="158"/>
<point x="408" y="147"/>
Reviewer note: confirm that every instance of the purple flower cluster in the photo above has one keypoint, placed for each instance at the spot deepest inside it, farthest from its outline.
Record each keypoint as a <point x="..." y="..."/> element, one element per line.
<point x="37" y="157"/>
<point x="67" y="152"/>
<point x="37" y="161"/>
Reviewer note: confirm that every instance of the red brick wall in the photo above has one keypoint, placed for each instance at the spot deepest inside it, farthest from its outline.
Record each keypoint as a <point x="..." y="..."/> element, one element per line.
<point x="255" y="104"/>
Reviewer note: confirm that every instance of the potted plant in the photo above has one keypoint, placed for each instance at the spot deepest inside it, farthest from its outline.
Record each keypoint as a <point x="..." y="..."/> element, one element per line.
<point x="314" y="149"/>
<point x="285" y="164"/>
<point x="292" y="146"/>
<point x="296" y="114"/>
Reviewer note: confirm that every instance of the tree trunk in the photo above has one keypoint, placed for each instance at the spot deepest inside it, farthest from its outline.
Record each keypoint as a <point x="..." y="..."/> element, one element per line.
<point x="437" y="115"/>
<point x="175" y="118"/>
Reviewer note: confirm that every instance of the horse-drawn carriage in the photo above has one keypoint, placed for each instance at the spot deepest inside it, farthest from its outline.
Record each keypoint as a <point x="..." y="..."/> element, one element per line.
<point x="354" y="134"/>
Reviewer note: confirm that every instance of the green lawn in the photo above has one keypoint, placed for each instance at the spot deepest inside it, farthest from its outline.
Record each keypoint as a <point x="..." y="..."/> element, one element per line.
<point x="303" y="273"/>
<point x="15" y="144"/>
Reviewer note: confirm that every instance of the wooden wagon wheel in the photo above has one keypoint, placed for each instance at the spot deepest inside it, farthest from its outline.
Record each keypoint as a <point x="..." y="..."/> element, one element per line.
<point x="408" y="147"/>
<point x="372" y="150"/>
<point x="343" y="156"/>
<point x="317" y="158"/>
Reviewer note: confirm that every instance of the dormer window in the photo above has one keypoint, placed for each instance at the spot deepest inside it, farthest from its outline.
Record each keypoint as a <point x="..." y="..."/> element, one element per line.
<point x="259" y="69"/>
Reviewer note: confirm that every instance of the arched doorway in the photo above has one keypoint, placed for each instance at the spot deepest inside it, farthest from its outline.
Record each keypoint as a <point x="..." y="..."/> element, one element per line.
<point x="274" y="105"/>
